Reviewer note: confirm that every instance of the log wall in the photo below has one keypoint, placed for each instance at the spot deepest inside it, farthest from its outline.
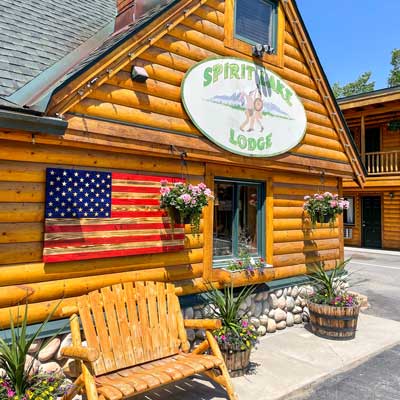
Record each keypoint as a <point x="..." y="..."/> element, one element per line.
<point x="135" y="127"/>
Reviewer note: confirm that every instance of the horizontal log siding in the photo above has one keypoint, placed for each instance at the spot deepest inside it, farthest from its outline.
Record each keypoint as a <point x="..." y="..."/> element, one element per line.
<point x="157" y="103"/>
<point x="296" y="242"/>
<point x="391" y="220"/>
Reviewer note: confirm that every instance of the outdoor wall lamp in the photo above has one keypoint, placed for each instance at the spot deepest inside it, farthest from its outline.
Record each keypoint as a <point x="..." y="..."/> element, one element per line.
<point x="139" y="74"/>
<point x="391" y="195"/>
<point x="259" y="49"/>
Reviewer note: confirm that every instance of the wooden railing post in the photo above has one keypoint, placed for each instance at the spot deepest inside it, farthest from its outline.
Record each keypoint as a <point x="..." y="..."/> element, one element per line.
<point x="383" y="162"/>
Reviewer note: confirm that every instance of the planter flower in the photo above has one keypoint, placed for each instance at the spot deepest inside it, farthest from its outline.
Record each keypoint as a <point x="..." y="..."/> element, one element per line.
<point x="185" y="202"/>
<point x="236" y="337"/>
<point x="323" y="208"/>
<point x="246" y="263"/>
<point x="333" y="311"/>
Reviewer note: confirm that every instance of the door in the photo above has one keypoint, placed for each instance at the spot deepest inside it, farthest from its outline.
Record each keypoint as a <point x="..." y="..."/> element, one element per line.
<point x="371" y="222"/>
<point x="372" y="145"/>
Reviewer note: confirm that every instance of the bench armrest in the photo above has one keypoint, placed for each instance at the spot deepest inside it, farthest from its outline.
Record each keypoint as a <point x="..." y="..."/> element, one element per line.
<point x="87" y="354"/>
<point x="209" y="324"/>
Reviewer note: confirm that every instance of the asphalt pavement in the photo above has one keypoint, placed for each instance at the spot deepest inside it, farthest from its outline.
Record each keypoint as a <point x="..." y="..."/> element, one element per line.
<point x="377" y="275"/>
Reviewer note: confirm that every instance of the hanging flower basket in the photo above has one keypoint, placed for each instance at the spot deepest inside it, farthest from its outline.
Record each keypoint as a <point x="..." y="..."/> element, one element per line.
<point x="323" y="208"/>
<point x="185" y="202"/>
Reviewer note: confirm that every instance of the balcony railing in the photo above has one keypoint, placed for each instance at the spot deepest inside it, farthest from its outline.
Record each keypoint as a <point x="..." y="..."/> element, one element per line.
<point x="383" y="163"/>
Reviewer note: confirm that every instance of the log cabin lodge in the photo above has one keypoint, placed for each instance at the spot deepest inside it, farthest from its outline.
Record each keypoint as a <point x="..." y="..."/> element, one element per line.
<point x="143" y="89"/>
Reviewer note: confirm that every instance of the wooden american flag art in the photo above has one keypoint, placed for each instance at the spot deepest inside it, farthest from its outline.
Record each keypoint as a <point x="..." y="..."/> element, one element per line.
<point x="93" y="214"/>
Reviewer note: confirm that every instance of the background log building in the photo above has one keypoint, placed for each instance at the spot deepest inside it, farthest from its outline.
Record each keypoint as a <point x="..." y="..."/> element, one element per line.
<point x="68" y="101"/>
<point x="374" y="122"/>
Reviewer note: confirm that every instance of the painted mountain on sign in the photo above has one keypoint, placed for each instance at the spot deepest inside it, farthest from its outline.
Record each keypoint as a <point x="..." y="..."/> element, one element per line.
<point x="237" y="101"/>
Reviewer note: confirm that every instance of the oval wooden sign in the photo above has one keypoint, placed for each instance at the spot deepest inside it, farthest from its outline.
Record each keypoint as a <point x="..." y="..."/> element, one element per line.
<point x="243" y="107"/>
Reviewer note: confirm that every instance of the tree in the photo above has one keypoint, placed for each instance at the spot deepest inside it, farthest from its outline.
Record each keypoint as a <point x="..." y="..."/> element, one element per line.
<point x="361" y="85"/>
<point x="394" y="76"/>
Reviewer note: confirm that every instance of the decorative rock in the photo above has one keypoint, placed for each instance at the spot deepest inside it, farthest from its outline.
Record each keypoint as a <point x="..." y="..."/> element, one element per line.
<point x="290" y="303"/>
<point x="197" y="342"/>
<point x="306" y="314"/>
<point x="189" y="313"/>
<point x="281" y="325"/>
<point x="198" y="307"/>
<point x="208" y="311"/>
<point x="252" y="308"/>
<point x="271" y="314"/>
<point x="259" y="296"/>
<point x="261" y="330"/>
<point x="30" y="361"/>
<point x="297" y="310"/>
<point x="303" y="302"/>
<point x="200" y="334"/>
<point x="50" y="350"/>
<point x="280" y="315"/>
<point x="257" y="309"/>
<point x="66" y="341"/>
<point x="289" y="291"/>
<point x="50" y="368"/>
<point x="284" y="294"/>
<point x="266" y="307"/>
<point x="306" y="310"/>
<point x="35" y="346"/>
<point x="297" y="318"/>
<point x="255" y="321"/>
<point x="2" y="373"/>
<point x="198" y="314"/>
<point x="191" y="335"/>
<point x="273" y="301"/>
<point x="295" y="291"/>
<point x="298" y="301"/>
<point x="278" y="293"/>
<point x="281" y="303"/>
<point x="265" y="295"/>
<point x="271" y="327"/>
<point x="263" y="320"/>
<point x="289" y="319"/>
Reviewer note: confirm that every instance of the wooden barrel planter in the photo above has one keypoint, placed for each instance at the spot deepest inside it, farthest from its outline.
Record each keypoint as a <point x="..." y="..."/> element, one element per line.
<point x="237" y="362"/>
<point x="330" y="322"/>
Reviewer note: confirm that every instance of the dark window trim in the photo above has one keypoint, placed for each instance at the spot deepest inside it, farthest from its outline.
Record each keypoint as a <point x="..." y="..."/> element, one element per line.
<point x="222" y="261"/>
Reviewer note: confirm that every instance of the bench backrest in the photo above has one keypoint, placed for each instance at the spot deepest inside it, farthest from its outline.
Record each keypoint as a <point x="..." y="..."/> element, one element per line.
<point x="132" y="323"/>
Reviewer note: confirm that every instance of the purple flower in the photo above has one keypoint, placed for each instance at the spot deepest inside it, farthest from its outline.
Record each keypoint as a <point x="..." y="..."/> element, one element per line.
<point x="202" y="186"/>
<point x="207" y="192"/>
<point x="245" y="324"/>
<point x="164" y="182"/>
<point x="307" y="198"/>
<point x="164" y="190"/>
<point x="333" y="203"/>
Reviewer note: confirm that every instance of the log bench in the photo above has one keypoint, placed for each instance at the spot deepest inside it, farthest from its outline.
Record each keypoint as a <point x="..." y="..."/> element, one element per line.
<point x="136" y="342"/>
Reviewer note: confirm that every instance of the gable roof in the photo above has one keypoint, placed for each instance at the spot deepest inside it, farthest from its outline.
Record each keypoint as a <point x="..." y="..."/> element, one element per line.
<point x="37" y="34"/>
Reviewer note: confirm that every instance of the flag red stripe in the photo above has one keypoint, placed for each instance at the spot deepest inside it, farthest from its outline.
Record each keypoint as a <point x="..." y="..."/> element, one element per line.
<point x="107" y="227"/>
<point x="110" y="240"/>
<point x="135" y="189"/>
<point x="158" y="179"/>
<point x="109" y="253"/>
<point x="139" y="202"/>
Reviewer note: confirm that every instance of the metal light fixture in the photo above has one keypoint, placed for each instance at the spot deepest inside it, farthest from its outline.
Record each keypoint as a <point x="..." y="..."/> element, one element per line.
<point x="259" y="49"/>
<point x="139" y="74"/>
<point x="391" y="195"/>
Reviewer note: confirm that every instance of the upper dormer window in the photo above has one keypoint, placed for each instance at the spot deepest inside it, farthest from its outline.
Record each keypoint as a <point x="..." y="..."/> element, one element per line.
<point x="256" y="21"/>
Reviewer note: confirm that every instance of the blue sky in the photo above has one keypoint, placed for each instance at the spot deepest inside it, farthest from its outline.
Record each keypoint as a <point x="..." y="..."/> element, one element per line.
<point x="353" y="36"/>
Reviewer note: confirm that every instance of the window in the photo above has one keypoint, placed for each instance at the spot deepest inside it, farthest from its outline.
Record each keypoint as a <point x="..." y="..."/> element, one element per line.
<point x="256" y="21"/>
<point x="238" y="218"/>
<point x="348" y="215"/>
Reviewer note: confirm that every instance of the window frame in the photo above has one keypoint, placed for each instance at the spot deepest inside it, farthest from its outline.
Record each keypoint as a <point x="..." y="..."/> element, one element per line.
<point x="241" y="46"/>
<point x="350" y="224"/>
<point x="223" y="261"/>
<point x="275" y="5"/>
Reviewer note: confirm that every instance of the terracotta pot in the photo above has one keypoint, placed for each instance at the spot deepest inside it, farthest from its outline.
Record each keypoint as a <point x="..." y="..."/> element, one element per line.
<point x="332" y="322"/>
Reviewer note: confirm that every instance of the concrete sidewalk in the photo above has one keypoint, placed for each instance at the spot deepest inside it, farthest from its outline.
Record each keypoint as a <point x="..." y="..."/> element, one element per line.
<point x="290" y="361"/>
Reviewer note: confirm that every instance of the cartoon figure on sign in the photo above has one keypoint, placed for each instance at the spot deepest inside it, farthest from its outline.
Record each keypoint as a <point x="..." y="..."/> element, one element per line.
<point x="254" y="106"/>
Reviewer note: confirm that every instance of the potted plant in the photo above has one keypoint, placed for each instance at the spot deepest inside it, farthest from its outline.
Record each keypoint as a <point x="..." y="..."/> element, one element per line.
<point x="20" y="381"/>
<point x="185" y="202"/>
<point x="333" y="311"/>
<point x="323" y="208"/>
<point x="246" y="262"/>
<point x="236" y="337"/>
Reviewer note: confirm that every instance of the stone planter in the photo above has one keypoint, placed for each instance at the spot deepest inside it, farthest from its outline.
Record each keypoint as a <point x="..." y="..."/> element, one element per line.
<point x="237" y="362"/>
<point x="331" y="322"/>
